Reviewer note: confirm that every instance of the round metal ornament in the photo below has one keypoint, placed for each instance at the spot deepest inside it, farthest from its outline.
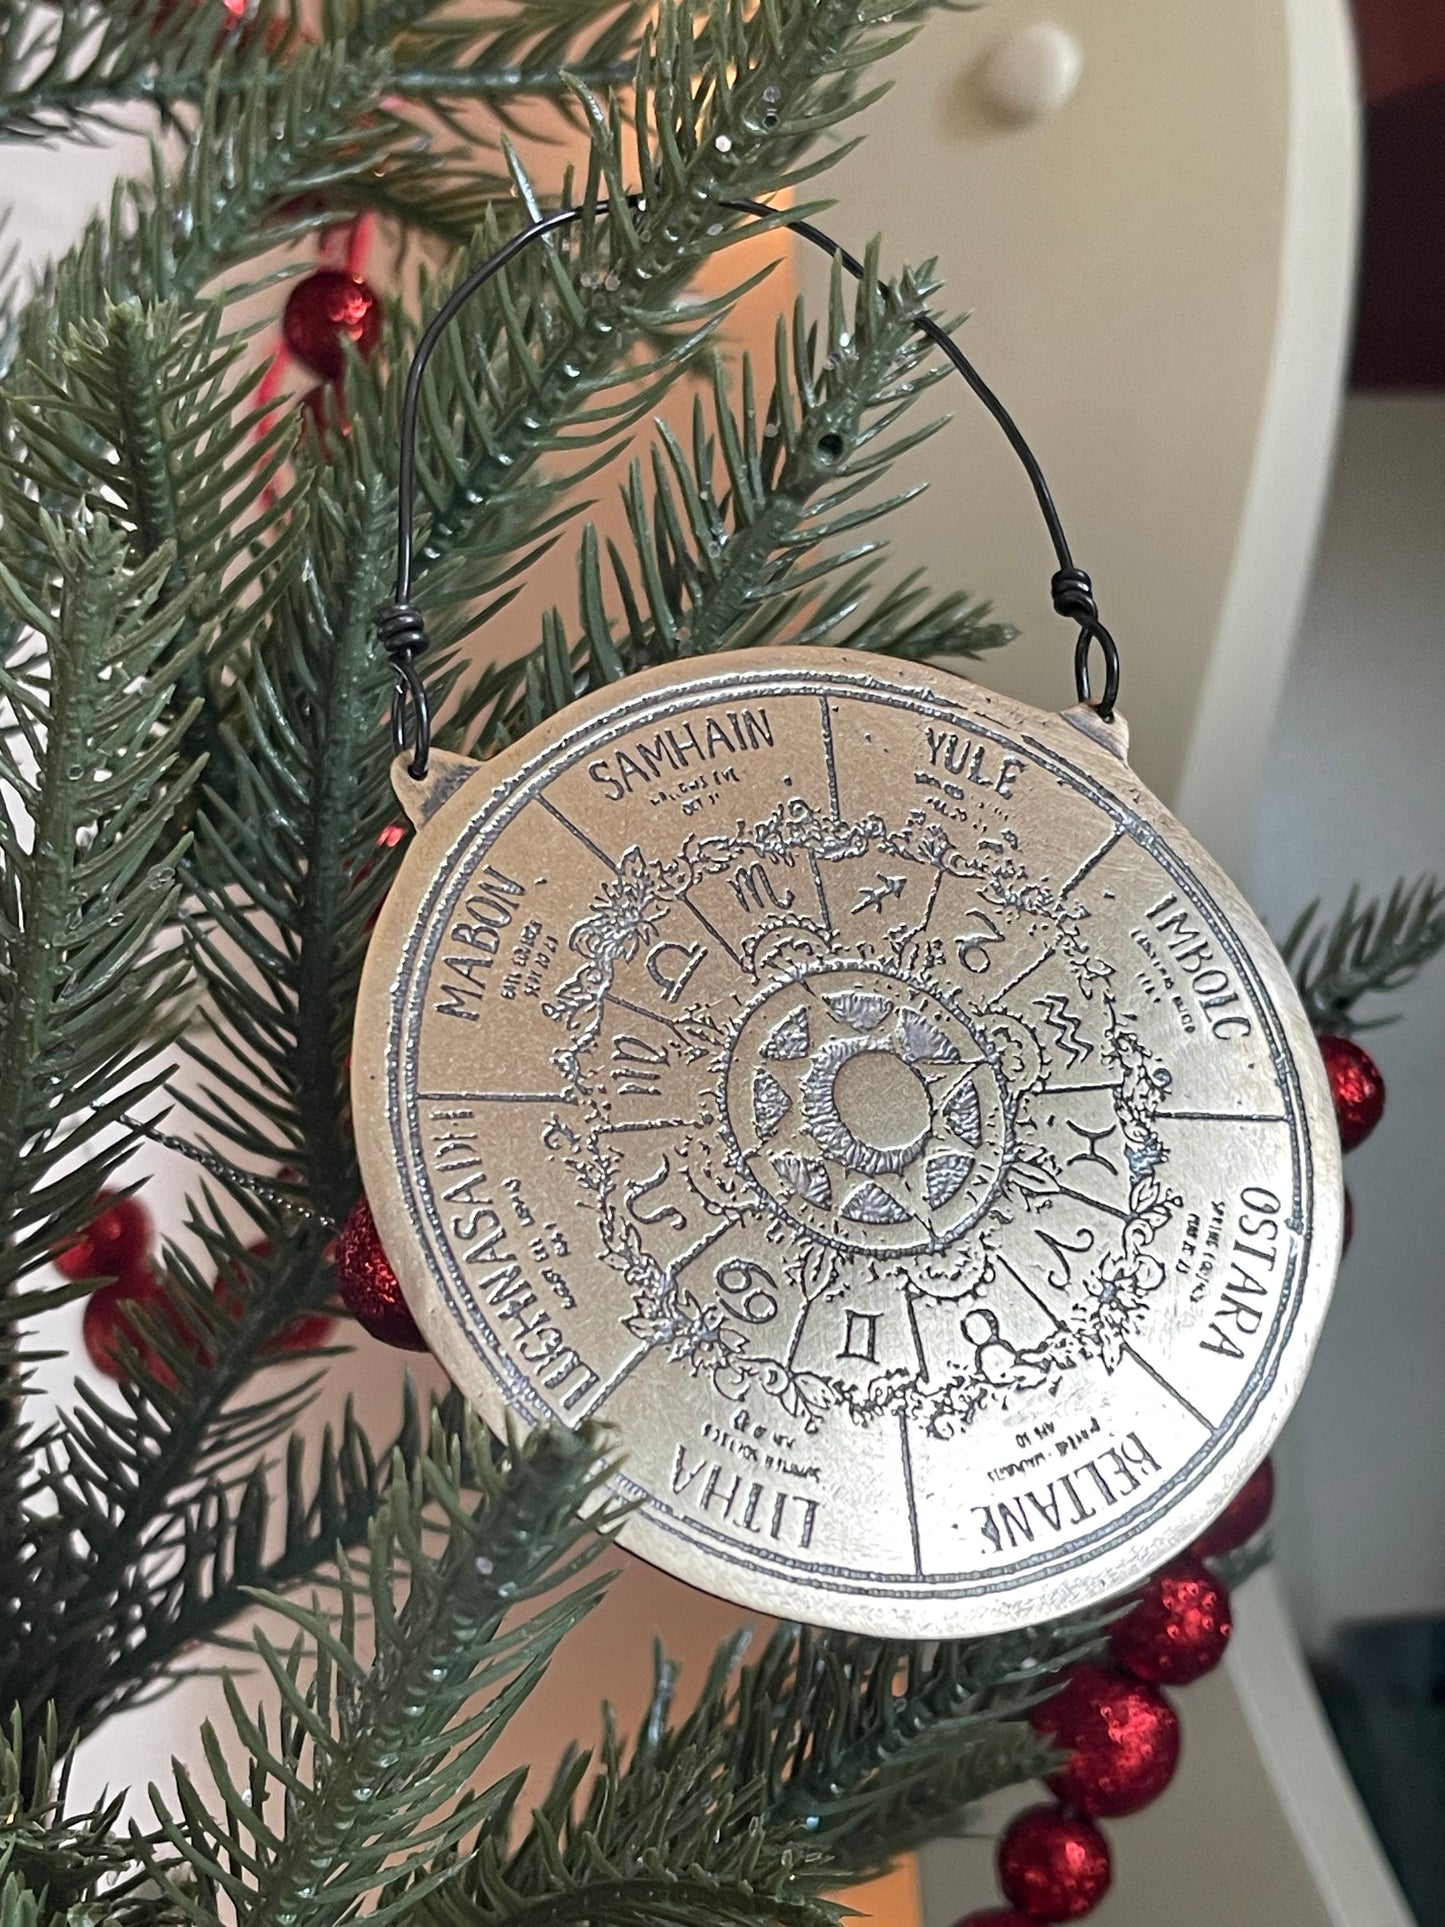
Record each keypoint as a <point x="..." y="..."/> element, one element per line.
<point x="856" y="1090"/>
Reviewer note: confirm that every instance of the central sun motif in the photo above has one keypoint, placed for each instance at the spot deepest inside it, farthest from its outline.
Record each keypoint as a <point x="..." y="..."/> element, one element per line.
<point x="866" y="1108"/>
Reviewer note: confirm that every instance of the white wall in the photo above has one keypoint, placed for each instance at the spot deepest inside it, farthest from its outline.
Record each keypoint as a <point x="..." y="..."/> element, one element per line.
<point x="1355" y="789"/>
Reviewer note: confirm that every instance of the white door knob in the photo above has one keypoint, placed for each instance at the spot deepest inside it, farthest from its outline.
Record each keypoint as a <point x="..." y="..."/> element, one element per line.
<point x="1029" y="75"/>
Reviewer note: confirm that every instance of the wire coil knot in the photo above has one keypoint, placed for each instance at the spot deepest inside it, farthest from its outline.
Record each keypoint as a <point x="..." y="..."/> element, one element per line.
<point x="401" y="630"/>
<point x="1073" y="597"/>
<point x="1073" y="594"/>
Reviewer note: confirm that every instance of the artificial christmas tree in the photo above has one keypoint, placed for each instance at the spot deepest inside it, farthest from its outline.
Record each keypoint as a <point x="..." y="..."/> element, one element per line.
<point x="195" y="744"/>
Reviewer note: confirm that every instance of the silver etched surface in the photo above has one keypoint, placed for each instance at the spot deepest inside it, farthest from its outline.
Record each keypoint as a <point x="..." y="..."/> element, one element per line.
<point x="853" y="1089"/>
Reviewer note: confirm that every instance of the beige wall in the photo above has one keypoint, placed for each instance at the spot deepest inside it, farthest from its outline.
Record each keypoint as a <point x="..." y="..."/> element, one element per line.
<point x="1125" y="265"/>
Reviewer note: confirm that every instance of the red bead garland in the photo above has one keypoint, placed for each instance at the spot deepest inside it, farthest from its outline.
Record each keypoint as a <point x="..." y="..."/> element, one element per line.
<point x="1356" y="1086"/>
<point x="327" y="307"/>
<point x="368" y="1285"/>
<point x="106" y="1325"/>
<point x="1242" y="1518"/>
<point x="1121" y="1736"/>
<point x="1053" y="1865"/>
<point x="303" y="1333"/>
<point x="113" y="1243"/>
<point x="1180" y="1628"/>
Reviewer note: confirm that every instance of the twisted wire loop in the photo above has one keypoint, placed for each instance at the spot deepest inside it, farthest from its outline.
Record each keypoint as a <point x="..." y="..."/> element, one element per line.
<point x="402" y="631"/>
<point x="1073" y="596"/>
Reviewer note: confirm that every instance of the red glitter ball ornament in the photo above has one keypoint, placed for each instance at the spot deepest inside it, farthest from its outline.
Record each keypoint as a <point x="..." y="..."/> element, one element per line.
<point x="369" y="1288"/>
<point x="327" y="306"/>
<point x="998" y="1917"/>
<point x="1356" y="1086"/>
<point x="1242" y="1518"/>
<point x="1121" y="1736"/>
<point x="1179" y="1629"/>
<point x="114" y="1242"/>
<point x="1053" y="1865"/>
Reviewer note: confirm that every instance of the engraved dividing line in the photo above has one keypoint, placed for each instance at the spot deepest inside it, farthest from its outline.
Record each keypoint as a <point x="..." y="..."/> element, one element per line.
<point x="1083" y="1197"/>
<point x="927" y="917"/>
<point x="641" y="1010"/>
<point x="1024" y="1285"/>
<point x="1226" y="1117"/>
<point x="907" y="1452"/>
<point x="912" y="1311"/>
<point x="495" y="1097"/>
<point x="605" y="1390"/>
<point x="1164" y="1386"/>
<point x="1064" y="1090"/>
<point x="796" y="1339"/>
<point x="581" y="835"/>
<point x="830" y="756"/>
<point x="822" y="893"/>
<point x="1013" y="983"/>
<point x="655" y="1124"/>
<point x="696" y="1251"/>
<point x="1084" y="868"/>
<point x="711" y="929"/>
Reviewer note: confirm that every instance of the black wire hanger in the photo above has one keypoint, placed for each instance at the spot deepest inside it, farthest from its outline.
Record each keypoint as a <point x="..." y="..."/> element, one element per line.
<point x="403" y="631"/>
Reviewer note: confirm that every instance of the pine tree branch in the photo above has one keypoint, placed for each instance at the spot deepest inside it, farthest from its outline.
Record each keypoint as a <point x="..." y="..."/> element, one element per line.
<point x="288" y="873"/>
<point x="108" y="1501"/>
<point x="1368" y="950"/>
<point x="818" y="1762"/>
<point x="65" y="65"/>
<point x="82" y="905"/>
<point x="61" y="1857"/>
<point x="157" y="420"/>
<point x="285" y="877"/>
<point x="288" y="132"/>
<point x="368" y="1768"/>
<point x="68" y="67"/>
<point x="223" y="1559"/>
<point x="742" y="536"/>
<point x="725" y="110"/>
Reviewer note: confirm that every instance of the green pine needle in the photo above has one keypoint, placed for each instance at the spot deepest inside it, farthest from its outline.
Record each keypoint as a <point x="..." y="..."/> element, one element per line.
<point x="92" y="753"/>
<point x="366" y="1769"/>
<point x="1369" y="949"/>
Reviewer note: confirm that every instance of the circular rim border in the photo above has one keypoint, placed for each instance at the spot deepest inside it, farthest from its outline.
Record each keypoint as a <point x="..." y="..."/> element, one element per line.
<point x="1009" y="1596"/>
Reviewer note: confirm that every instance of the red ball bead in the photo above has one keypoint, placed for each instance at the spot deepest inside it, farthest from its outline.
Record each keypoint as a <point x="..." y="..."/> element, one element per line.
<point x="1053" y="1865"/>
<point x="368" y="1285"/>
<point x="1242" y="1518"/>
<point x="1356" y="1086"/>
<point x="323" y="309"/>
<point x="326" y="406"/>
<point x="1179" y="1629"/>
<point x="115" y="1241"/>
<point x="303" y="1333"/>
<point x="1121" y="1736"/>
<point x="306" y="1332"/>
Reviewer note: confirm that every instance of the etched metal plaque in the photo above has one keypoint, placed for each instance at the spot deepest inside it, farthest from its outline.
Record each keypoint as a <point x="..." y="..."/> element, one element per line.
<point x="853" y="1088"/>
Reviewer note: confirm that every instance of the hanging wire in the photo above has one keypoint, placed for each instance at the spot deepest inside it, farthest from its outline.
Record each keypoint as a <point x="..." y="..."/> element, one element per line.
<point x="400" y="626"/>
